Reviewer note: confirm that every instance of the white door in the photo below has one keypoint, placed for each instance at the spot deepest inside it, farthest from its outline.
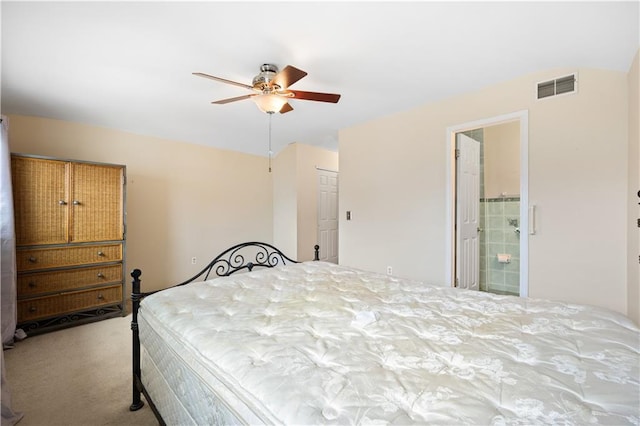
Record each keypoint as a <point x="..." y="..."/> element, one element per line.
<point x="467" y="212"/>
<point x="328" y="215"/>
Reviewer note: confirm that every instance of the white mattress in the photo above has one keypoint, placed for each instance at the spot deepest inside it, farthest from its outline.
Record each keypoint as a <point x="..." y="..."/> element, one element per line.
<point x="317" y="343"/>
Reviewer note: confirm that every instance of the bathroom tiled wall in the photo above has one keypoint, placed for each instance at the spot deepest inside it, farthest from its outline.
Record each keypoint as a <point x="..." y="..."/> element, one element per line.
<point x="500" y="237"/>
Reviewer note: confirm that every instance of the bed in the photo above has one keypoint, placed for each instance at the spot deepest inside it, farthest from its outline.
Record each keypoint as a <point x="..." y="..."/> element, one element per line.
<point x="273" y="341"/>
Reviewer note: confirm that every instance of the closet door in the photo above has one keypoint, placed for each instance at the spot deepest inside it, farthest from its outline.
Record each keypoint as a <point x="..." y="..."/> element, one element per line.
<point x="97" y="205"/>
<point x="40" y="196"/>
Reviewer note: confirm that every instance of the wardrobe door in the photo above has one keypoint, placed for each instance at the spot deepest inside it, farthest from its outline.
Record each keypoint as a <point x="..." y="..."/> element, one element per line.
<point x="97" y="203"/>
<point x="41" y="200"/>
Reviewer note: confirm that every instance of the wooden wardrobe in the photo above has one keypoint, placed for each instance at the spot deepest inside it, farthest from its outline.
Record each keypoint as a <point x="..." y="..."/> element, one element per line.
<point x="70" y="241"/>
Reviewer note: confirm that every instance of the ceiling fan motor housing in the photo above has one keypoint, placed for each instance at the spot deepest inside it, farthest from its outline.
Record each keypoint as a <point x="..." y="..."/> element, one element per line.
<point x="263" y="81"/>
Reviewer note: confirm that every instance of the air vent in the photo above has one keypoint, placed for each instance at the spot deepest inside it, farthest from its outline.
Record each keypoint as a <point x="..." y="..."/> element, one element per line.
<point x="558" y="86"/>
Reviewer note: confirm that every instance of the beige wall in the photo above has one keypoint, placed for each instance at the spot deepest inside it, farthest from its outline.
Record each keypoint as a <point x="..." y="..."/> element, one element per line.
<point x="285" y="201"/>
<point x="393" y="177"/>
<point x="502" y="160"/>
<point x="183" y="200"/>
<point x="633" y="245"/>
<point x="295" y="202"/>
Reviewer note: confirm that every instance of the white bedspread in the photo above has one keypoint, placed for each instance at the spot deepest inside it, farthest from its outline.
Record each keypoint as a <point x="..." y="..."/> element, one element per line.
<point x="317" y="343"/>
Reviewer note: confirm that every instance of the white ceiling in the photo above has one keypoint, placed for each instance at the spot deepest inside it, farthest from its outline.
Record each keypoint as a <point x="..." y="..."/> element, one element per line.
<point x="129" y="65"/>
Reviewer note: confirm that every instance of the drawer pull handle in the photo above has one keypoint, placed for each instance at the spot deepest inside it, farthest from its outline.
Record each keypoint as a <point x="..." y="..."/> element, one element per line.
<point x="62" y="202"/>
<point x="100" y="297"/>
<point x="32" y="284"/>
<point x="32" y="309"/>
<point x="32" y="259"/>
<point x="100" y="253"/>
<point x="76" y="203"/>
<point x="100" y="275"/>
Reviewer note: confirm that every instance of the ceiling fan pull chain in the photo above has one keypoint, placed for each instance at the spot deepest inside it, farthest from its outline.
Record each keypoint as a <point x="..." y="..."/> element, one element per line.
<point x="270" y="152"/>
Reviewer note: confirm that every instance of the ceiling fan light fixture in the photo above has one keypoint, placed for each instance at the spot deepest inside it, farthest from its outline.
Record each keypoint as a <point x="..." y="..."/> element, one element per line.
<point x="269" y="102"/>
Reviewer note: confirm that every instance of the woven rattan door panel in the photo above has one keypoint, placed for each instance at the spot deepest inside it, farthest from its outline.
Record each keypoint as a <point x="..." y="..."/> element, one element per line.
<point x="36" y="283"/>
<point x="57" y="257"/>
<point x="97" y="203"/>
<point x="48" y="306"/>
<point x="41" y="197"/>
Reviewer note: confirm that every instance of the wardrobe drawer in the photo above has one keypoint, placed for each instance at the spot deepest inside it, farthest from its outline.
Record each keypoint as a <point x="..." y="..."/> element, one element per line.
<point x="35" y="283"/>
<point x="54" y="257"/>
<point x="42" y="307"/>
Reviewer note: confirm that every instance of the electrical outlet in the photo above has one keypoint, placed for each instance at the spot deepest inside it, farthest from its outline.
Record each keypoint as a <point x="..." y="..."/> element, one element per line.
<point x="194" y="260"/>
<point x="389" y="270"/>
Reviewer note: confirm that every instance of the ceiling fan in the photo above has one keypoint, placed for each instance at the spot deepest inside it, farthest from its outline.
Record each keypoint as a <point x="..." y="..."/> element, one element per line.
<point x="271" y="89"/>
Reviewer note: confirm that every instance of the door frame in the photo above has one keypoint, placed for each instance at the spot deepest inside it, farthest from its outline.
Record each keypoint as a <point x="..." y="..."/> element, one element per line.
<point x="451" y="131"/>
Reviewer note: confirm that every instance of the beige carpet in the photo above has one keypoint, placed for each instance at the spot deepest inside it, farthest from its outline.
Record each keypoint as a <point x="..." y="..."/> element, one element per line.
<point x="76" y="376"/>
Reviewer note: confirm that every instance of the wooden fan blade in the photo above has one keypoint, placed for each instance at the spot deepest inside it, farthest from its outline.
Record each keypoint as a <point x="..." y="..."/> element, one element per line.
<point x="286" y="108"/>
<point x="229" y="100"/>
<point x="223" y="80"/>
<point x="288" y="76"/>
<point x="315" y="96"/>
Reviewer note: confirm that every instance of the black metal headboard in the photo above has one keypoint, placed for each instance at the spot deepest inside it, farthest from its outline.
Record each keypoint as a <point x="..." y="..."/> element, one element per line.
<point x="245" y="256"/>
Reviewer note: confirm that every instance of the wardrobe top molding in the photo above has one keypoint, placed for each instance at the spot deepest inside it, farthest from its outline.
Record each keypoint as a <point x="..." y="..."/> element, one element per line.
<point x="71" y="160"/>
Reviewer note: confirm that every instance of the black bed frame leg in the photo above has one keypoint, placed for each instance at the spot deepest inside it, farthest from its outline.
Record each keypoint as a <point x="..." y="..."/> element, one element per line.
<point x="135" y="305"/>
<point x="316" y="252"/>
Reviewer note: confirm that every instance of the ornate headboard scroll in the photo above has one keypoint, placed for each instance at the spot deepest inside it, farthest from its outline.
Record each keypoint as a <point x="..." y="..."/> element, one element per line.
<point x="244" y="256"/>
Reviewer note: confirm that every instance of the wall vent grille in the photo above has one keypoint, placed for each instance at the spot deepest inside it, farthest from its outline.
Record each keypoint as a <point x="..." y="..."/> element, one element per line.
<point x="557" y="86"/>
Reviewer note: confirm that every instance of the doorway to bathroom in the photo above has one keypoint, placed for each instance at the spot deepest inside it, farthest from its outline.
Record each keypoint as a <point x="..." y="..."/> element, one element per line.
<point x="489" y="198"/>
